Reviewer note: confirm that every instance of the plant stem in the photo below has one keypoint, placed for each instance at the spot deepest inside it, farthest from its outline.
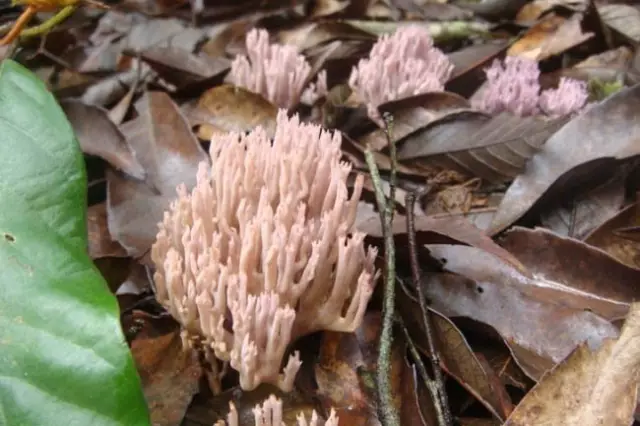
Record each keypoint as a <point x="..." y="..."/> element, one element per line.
<point x="387" y="410"/>
<point x="435" y="386"/>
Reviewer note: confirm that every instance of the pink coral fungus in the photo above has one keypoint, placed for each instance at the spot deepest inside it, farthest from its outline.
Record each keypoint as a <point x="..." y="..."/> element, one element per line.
<point x="270" y="414"/>
<point x="570" y="96"/>
<point x="263" y="250"/>
<point x="276" y="72"/>
<point x="400" y="65"/>
<point x="512" y="86"/>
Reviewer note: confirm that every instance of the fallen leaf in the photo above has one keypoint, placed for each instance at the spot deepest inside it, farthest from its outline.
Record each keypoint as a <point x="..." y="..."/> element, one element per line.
<point x="606" y="238"/>
<point x="491" y="292"/>
<point x="170" y="154"/>
<point x="603" y="135"/>
<point x="457" y="357"/>
<point x="182" y="68"/>
<point x="588" y="211"/>
<point x="412" y="114"/>
<point x="577" y="275"/>
<point x="494" y="148"/>
<point x="454" y="229"/>
<point x="625" y="19"/>
<point x="170" y="376"/>
<point x="338" y="374"/>
<point x="100" y="137"/>
<point x="100" y="242"/>
<point x="551" y="36"/>
<point x="228" y="108"/>
<point x="589" y="388"/>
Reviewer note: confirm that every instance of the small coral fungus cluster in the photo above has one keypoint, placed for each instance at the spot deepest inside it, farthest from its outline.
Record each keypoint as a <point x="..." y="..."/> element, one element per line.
<point x="400" y="65"/>
<point x="262" y="250"/>
<point x="513" y="86"/>
<point x="277" y="72"/>
<point x="270" y="414"/>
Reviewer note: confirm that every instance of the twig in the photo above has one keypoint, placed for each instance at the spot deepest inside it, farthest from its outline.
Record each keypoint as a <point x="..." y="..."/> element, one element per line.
<point x="436" y="386"/>
<point x="387" y="410"/>
<point x="422" y="369"/>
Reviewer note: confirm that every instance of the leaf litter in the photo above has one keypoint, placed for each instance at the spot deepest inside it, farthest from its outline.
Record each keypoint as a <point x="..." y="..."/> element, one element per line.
<point x="526" y="237"/>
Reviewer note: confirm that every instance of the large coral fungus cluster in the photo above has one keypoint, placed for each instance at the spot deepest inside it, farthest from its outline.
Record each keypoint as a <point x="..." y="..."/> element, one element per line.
<point x="263" y="250"/>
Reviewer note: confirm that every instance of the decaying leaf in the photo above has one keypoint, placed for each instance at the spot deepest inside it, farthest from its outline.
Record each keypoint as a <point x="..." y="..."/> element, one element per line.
<point x="489" y="291"/>
<point x="100" y="137"/>
<point x="170" y="375"/>
<point x="603" y="135"/>
<point x="457" y="358"/>
<point x="170" y="154"/>
<point x="606" y="238"/>
<point x="494" y="148"/>
<point x="227" y="108"/>
<point x="589" y="388"/>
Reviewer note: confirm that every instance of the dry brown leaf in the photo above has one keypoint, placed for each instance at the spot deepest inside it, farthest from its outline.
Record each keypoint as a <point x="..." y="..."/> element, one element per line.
<point x="170" y="375"/>
<point x="606" y="132"/>
<point x="535" y="9"/>
<point x="491" y="292"/>
<point x="589" y="388"/>
<point x="588" y="211"/>
<point x="625" y="19"/>
<point x="576" y="274"/>
<point x="551" y="36"/>
<point x="413" y="114"/>
<point x="100" y="242"/>
<point x="493" y="148"/>
<point x="181" y="68"/>
<point x="170" y="154"/>
<point x="606" y="238"/>
<point x="100" y="137"/>
<point x="337" y="374"/>
<point x="457" y="357"/>
<point x="228" y="108"/>
<point x="453" y="228"/>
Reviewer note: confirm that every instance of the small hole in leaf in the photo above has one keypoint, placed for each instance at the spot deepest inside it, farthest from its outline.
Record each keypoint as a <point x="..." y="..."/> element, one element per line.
<point x="10" y="238"/>
<point x="480" y="289"/>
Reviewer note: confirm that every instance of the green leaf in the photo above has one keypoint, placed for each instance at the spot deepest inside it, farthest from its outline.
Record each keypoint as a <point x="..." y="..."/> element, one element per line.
<point x="63" y="358"/>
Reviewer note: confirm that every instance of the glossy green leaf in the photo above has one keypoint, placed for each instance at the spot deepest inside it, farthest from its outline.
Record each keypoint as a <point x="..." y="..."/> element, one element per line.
<point x="63" y="358"/>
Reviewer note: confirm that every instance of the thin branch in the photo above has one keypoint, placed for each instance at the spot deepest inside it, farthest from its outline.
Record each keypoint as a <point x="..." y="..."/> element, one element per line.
<point x="436" y="387"/>
<point x="387" y="410"/>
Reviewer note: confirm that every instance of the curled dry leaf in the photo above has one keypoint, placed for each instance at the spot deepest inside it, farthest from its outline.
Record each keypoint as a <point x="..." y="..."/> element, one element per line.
<point x="491" y="292"/>
<point x="100" y="137"/>
<point x="589" y="388"/>
<point x="606" y="132"/>
<point x="170" y="154"/>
